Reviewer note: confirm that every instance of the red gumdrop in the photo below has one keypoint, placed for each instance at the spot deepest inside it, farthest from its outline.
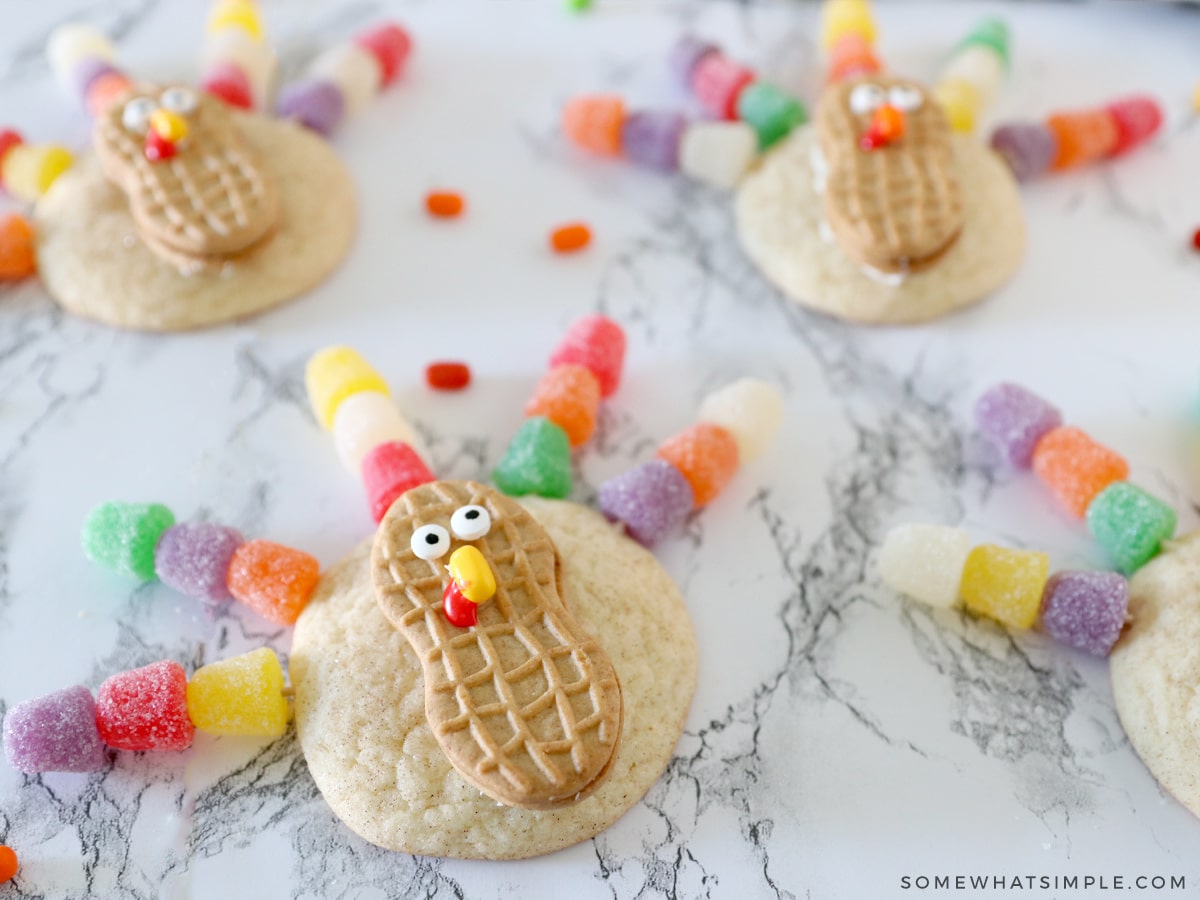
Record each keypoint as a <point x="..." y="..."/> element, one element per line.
<point x="458" y="609"/>
<point x="597" y="343"/>
<point x="390" y="45"/>
<point x="145" y="709"/>
<point x="1137" y="119"/>
<point x="388" y="470"/>
<point x="447" y="376"/>
<point x="229" y="83"/>
<point x="8" y="140"/>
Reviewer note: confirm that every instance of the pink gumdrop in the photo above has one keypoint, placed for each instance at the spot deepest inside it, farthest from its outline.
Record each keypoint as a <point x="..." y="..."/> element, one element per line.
<point x="1137" y="119"/>
<point x="390" y="45"/>
<point x="596" y="343"/>
<point x="388" y="470"/>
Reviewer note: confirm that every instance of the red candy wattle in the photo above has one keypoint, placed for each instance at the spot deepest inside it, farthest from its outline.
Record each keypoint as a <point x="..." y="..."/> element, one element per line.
<point x="389" y="470"/>
<point x="458" y="609"/>
<point x="145" y="709"/>
<point x="158" y="148"/>
<point x="390" y="45"/>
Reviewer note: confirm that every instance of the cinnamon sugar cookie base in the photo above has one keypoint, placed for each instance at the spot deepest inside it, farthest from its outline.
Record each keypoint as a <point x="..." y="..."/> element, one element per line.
<point x="93" y="262"/>
<point x="360" y="702"/>
<point x="780" y="222"/>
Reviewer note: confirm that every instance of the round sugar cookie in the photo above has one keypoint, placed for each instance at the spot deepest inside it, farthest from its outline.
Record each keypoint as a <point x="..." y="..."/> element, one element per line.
<point x="780" y="220"/>
<point x="1155" y="669"/>
<point x="360" y="704"/>
<point x="93" y="262"/>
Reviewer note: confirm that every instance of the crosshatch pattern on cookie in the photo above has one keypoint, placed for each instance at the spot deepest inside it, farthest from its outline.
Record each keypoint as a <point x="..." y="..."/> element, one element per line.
<point x="525" y="704"/>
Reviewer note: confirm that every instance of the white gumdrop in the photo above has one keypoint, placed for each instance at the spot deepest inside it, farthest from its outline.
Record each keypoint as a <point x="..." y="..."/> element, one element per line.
<point x="74" y="43"/>
<point x="749" y="409"/>
<point x="925" y="562"/>
<point x="352" y="69"/>
<point x="256" y="59"/>
<point x="717" y="153"/>
<point x="365" y="420"/>
<point x="979" y="66"/>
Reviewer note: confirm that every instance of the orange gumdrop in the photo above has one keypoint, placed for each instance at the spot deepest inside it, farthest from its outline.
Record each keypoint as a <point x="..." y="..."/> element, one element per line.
<point x="594" y="123"/>
<point x="569" y="238"/>
<point x="1083" y="137"/>
<point x="17" y="259"/>
<point x="568" y="396"/>
<point x="1076" y="468"/>
<point x="852" y="55"/>
<point x="103" y="91"/>
<point x="706" y="455"/>
<point x="273" y="580"/>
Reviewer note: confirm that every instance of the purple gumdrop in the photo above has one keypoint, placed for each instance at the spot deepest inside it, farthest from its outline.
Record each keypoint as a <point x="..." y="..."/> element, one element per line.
<point x="55" y="733"/>
<point x="87" y="71"/>
<point x="316" y="104"/>
<point x="1085" y="610"/>
<point x="193" y="558"/>
<point x="686" y="55"/>
<point x="1014" y="419"/>
<point x="651" y="500"/>
<point x="652" y="139"/>
<point x="1029" y="148"/>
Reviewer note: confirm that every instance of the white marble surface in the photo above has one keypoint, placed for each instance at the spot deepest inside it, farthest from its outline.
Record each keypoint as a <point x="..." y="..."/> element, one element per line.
<point x="840" y="739"/>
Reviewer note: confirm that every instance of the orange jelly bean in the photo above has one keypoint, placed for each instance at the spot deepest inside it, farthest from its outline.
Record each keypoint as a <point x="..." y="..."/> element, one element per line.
<point x="273" y="580"/>
<point x="444" y="204"/>
<point x="17" y="259"/>
<point x="8" y="864"/>
<point x="594" y="123"/>
<point x="706" y="455"/>
<point x="1083" y="137"/>
<point x="570" y="238"/>
<point x="568" y="396"/>
<point x="1076" y="468"/>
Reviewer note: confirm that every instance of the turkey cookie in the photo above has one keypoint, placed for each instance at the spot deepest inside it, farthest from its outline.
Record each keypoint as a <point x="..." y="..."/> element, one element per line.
<point x="577" y="677"/>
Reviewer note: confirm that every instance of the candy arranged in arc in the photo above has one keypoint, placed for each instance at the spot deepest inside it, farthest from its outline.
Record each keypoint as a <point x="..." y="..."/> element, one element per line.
<point x="651" y="139"/>
<point x="651" y="500"/>
<point x="1130" y="525"/>
<point x="717" y="153"/>
<point x="315" y="104"/>
<point x="17" y="256"/>
<point x="749" y="409"/>
<point x="537" y="461"/>
<point x="145" y="709"/>
<point x="273" y="580"/>
<point x="362" y="422"/>
<point x="1029" y="148"/>
<point x="570" y="238"/>
<point x="123" y="536"/>
<point x="335" y="373"/>
<point x="193" y="558"/>
<point x="28" y="170"/>
<point x="706" y="454"/>
<point x="961" y="103"/>
<point x="1083" y="137"/>
<point x="355" y="72"/>
<point x="1075" y="467"/>
<point x="390" y="45"/>
<point x="1085" y="610"/>
<point x="242" y="695"/>
<point x="770" y="111"/>
<point x="598" y="344"/>
<point x="925" y="562"/>
<point x="842" y="17"/>
<point x="1137" y="119"/>
<point x="569" y="396"/>
<point x="1004" y="584"/>
<point x="594" y="122"/>
<point x="686" y="55"/>
<point x="55" y="733"/>
<point x="448" y="376"/>
<point x="75" y="43"/>
<point x="717" y="81"/>
<point x="388" y="470"/>
<point x="1013" y="419"/>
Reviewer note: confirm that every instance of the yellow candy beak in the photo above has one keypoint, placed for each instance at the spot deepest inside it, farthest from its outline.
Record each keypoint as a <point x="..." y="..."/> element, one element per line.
<point x="472" y="574"/>
<point x="169" y="126"/>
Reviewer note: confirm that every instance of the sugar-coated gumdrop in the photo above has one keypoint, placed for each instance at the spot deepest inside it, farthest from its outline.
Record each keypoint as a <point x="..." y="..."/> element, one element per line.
<point x="8" y="140"/>
<point x="317" y="105"/>
<point x="1029" y="148"/>
<point x="594" y="122"/>
<point x="239" y="14"/>
<point x="55" y="733"/>
<point x="73" y="43"/>
<point x="771" y="112"/>
<point x="717" y="153"/>
<point x="448" y="376"/>
<point x="193" y="558"/>
<point x="925" y="562"/>
<point x="123" y="536"/>
<point x="145" y="709"/>
<point x="1130" y="525"/>
<point x="333" y="374"/>
<point x="390" y="45"/>
<point x="686" y="55"/>
<point x="1085" y="610"/>
<point x="842" y="17"/>
<point x="651" y="500"/>
<point x="353" y="70"/>
<point x="993" y="34"/>
<point x="707" y="455"/>
<point x="8" y="864"/>
<point x="1005" y="585"/>
<point x="87" y="71"/>
<point x="598" y="344"/>
<point x="1137" y="119"/>
<point x="255" y="59"/>
<point x="1075" y="467"/>
<point x="229" y="82"/>
<point x="717" y="81"/>
<point x="17" y="257"/>
<point x="1083" y="136"/>
<point x="537" y="461"/>
<point x="979" y="66"/>
<point x="1013" y="419"/>
<point x="242" y="695"/>
<point x="388" y="470"/>
<point x="28" y="170"/>
<point x="570" y="238"/>
<point x="569" y="396"/>
<point x="362" y="422"/>
<point x="273" y="580"/>
<point x="749" y="409"/>
<point x="850" y="57"/>
<point x="651" y="139"/>
<point x="105" y="90"/>
<point x="444" y="204"/>
<point x="960" y="102"/>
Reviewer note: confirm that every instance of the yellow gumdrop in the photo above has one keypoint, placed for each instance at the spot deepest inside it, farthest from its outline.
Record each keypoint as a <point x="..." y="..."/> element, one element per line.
<point x="334" y="374"/>
<point x="960" y="102"/>
<point x="1005" y="585"/>
<point x="170" y="126"/>
<point x="29" y="170"/>
<point x="235" y="14"/>
<point x="842" y="17"/>
<point x="1196" y="99"/>
<point x="242" y="695"/>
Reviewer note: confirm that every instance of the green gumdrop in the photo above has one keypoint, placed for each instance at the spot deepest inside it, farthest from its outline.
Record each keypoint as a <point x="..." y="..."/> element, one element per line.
<point x="770" y="112"/>
<point x="1129" y="524"/>
<point x="991" y="33"/>
<point x="577" y="6"/>
<point x="537" y="461"/>
<point x="122" y="536"/>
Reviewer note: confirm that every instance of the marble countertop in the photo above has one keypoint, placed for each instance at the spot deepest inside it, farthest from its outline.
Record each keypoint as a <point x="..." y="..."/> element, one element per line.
<point x="840" y="739"/>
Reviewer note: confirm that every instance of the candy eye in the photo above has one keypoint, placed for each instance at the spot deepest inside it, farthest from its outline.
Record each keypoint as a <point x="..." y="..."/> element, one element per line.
<point x="430" y="541"/>
<point x="470" y="523"/>
<point x="137" y="113"/>
<point x="905" y="97"/>
<point x="866" y="98"/>
<point x="178" y="100"/>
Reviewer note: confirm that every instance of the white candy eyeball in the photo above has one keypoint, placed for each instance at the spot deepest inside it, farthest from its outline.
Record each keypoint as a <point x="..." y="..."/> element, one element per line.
<point x="430" y="542"/>
<point x="905" y="97"/>
<point x="178" y="100"/>
<point x="470" y="523"/>
<point x="136" y="115"/>
<point x="866" y="98"/>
